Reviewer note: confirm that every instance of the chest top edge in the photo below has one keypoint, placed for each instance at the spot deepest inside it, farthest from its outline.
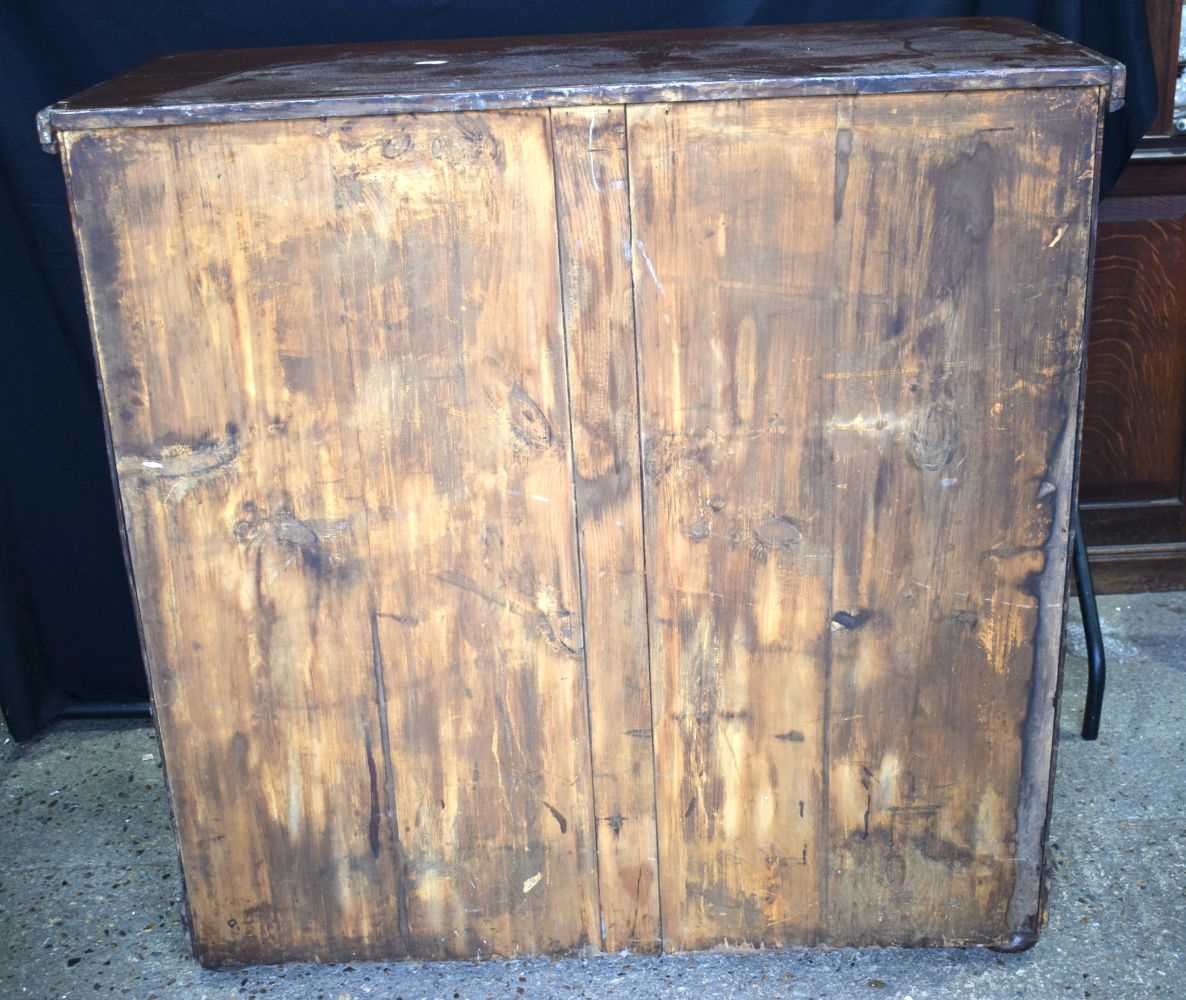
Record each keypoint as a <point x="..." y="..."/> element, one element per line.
<point x="741" y="63"/>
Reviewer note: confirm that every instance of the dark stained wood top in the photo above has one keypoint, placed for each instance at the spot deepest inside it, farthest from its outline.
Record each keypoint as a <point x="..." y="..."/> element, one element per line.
<point x="628" y="68"/>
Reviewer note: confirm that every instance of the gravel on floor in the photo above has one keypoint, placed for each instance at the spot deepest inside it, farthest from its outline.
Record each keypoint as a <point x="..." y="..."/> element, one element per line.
<point x="90" y="888"/>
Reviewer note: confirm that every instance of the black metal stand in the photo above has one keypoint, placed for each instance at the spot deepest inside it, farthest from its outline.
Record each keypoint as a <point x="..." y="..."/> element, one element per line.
<point x="1096" y="668"/>
<point x="1025" y="939"/>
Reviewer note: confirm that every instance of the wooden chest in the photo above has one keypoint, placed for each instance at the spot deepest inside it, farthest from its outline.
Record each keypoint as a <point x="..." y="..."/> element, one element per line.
<point x="599" y="493"/>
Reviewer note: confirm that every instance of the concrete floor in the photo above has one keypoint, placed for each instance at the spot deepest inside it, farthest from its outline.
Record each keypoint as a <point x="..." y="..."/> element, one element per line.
<point x="89" y="882"/>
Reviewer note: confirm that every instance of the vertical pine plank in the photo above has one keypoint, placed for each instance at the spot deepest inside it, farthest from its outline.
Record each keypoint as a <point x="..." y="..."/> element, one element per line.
<point x="733" y="298"/>
<point x="463" y="421"/>
<point x="956" y="372"/>
<point x="226" y="388"/>
<point x="340" y="422"/>
<point x="592" y="203"/>
<point x="887" y="374"/>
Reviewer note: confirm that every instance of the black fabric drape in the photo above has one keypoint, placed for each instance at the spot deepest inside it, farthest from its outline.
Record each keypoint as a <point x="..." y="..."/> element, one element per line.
<point x="66" y="627"/>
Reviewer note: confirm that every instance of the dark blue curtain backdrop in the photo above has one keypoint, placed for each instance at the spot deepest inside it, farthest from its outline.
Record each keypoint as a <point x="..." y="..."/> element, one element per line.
<point x="66" y="626"/>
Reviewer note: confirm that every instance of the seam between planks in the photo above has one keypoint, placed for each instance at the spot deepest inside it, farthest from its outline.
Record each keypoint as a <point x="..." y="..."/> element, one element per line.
<point x="642" y="503"/>
<point x="576" y="523"/>
<point x="401" y="888"/>
<point x="379" y="675"/>
<point x="845" y="108"/>
<point x="378" y="665"/>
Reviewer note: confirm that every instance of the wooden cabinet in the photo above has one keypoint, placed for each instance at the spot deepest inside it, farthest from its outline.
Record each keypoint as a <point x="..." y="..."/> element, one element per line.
<point x="1134" y="432"/>
<point x="1164" y="19"/>
<point x="1133" y="480"/>
<point x="599" y="493"/>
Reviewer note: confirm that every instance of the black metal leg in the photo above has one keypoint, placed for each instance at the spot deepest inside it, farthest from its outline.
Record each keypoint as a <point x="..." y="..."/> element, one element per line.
<point x="1096" y="668"/>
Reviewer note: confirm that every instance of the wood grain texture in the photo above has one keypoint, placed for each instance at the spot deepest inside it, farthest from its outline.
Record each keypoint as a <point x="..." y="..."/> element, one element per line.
<point x="1133" y="493"/>
<point x="1136" y="569"/>
<point x="858" y="411"/>
<point x="1135" y="426"/>
<point x="1164" y="18"/>
<point x="464" y="417"/>
<point x="865" y="57"/>
<point x="603" y="526"/>
<point x="955" y="415"/>
<point x="733" y="478"/>
<point x="342" y="439"/>
<point x="1133" y="478"/>
<point x="591" y="168"/>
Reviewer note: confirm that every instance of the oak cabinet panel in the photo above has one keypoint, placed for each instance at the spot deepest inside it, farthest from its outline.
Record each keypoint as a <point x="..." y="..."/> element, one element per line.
<point x="1133" y="490"/>
<point x="1133" y="486"/>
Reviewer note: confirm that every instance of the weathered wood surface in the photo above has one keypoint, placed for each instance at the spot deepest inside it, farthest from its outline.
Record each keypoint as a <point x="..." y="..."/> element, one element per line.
<point x="727" y="383"/>
<point x="858" y="410"/>
<point x="593" y="206"/>
<point x="629" y="67"/>
<point x="604" y="526"/>
<point x="341" y="429"/>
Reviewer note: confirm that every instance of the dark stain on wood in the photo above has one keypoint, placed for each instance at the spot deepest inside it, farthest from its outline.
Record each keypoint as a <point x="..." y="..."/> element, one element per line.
<point x="846" y="620"/>
<point x="779" y="532"/>
<point x="372" y="773"/>
<point x="558" y="816"/>
<point x="298" y="373"/>
<point x="528" y="422"/>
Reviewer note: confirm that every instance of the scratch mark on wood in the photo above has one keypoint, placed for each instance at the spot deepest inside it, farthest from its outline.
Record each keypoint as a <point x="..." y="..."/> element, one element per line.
<point x="642" y="249"/>
<point x="590" y="151"/>
<point x="410" y="620"/>
<point x="463" y="583"/>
